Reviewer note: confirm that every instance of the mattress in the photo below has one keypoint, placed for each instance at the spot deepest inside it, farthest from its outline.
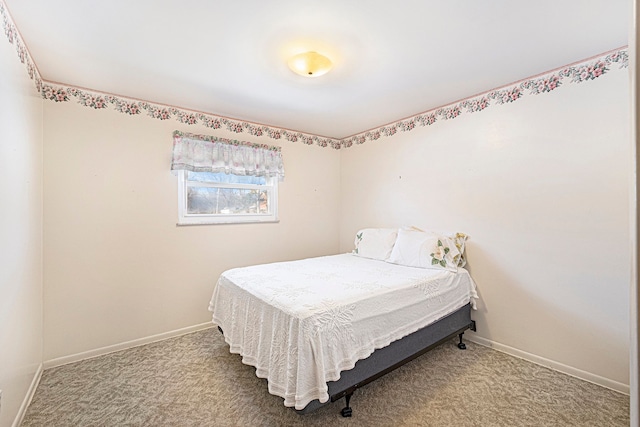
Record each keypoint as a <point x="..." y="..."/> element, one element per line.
<point x="301" y="323"/>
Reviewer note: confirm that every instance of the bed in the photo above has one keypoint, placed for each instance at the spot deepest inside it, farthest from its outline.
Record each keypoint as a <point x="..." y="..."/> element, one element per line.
<point x="319" y="328"/>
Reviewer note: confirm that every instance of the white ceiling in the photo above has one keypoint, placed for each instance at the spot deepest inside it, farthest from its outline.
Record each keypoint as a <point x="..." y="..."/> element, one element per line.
<point x="393" y="59"/>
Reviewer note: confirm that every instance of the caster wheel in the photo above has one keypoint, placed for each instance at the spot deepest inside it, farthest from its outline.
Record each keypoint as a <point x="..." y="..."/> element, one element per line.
<point x="462" y="346"/>
<point x="346" y="412"/>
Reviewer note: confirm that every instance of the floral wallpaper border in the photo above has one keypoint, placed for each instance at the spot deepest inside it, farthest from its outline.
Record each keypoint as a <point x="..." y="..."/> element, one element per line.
<point x="589" y="69"/>
<point x="234" y="142"/>
<point x="578" y="73"/>
<point x="12" y="34"/>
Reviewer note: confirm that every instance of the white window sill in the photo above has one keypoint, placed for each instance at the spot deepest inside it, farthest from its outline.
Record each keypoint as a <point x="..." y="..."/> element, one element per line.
<point x="223" y="222"/>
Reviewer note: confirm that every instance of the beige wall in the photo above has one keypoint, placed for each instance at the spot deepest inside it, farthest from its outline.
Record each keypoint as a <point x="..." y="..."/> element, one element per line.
<point x="117" y="268"/>
<point x="20" y="233"/>
<point x="541" y="185"/>
<point x="634" y="373"/>
<point x="542" y="188"/>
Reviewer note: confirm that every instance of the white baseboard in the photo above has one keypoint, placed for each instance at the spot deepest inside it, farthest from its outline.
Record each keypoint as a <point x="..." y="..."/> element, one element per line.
<point x="27" y="399"/>
<point x="556" y="366"/>
<point x="123" y="346"/>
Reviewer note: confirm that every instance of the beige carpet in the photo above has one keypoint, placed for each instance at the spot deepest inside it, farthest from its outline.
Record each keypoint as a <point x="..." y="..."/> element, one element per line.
<point x="193" y="380"/>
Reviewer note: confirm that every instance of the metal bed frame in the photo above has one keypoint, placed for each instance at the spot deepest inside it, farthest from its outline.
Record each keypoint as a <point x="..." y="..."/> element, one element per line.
<point x="398" y="353"/>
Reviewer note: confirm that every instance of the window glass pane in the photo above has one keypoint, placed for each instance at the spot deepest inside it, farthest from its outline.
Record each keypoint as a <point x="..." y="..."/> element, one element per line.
<point x="218" y="198"/>
<point x="226" y="178"/>
<point x="226" y="201"/>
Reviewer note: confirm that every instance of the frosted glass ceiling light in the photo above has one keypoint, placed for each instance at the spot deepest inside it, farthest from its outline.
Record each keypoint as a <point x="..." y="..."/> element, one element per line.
<point x="310" y="64"/>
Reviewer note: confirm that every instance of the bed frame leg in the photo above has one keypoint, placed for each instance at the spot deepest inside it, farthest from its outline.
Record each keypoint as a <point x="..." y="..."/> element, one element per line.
<point x="346" y="411"/>
<point x="461" y="345"/>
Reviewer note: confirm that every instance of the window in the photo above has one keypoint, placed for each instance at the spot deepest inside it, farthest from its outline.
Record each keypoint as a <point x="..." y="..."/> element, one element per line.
<point x="218" y="198"/>
<point x="225" y="181"/>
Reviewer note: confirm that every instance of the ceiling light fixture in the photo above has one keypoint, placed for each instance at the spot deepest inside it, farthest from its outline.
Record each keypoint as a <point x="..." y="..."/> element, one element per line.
<point x="310" y="64"/>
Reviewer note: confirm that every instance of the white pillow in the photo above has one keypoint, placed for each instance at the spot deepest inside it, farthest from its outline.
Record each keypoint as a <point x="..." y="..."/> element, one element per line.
<point x="375" y="243"/>
<point x="415" y="248"/>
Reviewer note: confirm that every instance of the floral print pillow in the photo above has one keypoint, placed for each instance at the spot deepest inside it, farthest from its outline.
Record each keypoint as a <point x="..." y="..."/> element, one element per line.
<point x="421" y="249"/>
<point x="458" y="238"/>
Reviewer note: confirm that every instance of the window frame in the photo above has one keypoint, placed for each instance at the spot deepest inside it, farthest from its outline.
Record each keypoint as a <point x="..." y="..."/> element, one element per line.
<point x="185" y="218"/>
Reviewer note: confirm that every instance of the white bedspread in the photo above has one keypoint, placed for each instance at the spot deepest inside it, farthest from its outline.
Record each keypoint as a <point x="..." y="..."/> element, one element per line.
<point x="301" y="323"/>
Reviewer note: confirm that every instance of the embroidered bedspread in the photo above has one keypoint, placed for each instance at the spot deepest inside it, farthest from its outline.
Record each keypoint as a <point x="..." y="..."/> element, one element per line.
<point x="301" y="323"/>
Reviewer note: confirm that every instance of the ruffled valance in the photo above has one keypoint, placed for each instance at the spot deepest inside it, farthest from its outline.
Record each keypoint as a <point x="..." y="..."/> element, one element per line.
<point x="202" y="153"/>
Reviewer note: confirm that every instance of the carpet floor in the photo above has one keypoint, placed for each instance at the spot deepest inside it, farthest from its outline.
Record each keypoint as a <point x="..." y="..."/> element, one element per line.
<point x="193" y="380"/>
